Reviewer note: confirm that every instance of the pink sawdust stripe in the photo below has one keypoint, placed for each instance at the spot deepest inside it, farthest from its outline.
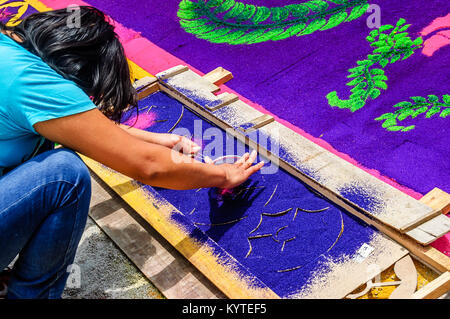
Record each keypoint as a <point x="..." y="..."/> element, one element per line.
<point x="153" y="59"/>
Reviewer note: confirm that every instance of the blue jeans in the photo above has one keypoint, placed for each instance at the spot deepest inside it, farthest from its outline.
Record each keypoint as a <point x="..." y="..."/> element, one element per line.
<point x="44" y="204"/>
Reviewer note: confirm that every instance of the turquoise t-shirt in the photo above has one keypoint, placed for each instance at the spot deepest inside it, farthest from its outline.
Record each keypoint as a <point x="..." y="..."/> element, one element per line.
<point x="30" y="92"/>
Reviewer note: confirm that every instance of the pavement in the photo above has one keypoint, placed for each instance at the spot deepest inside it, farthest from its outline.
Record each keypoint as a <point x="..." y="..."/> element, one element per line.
<point x="102" y="271"/>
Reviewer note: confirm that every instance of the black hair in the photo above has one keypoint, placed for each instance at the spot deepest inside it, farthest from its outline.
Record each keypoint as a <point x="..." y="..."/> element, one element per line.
<point x="88" y="54"/>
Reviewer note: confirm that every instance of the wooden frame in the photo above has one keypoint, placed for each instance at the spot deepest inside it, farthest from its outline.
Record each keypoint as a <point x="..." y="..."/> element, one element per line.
<point x="325" y="172"/>
<point x="434" y="289"/>
<point x="150" y="85"/>
<point x="190" y="284"/>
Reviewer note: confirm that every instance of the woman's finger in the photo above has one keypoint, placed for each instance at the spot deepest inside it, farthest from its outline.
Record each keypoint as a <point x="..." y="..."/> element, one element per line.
<point x="253" y="169"/>
<point x="243" y="159"/>
<point x="251" y="159"/>
<point x="208" y="160"/>
<point x="189" y="146"/>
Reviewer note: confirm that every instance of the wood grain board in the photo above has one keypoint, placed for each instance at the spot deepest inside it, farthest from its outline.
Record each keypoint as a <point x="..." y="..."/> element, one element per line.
<point x="172" y="274"/>
<point x="437" y="199"/>
<point x="218" y="76"/>
<point x="324" y="171"/>
<point x="434" y="289"/>
<point x="438" y="226"/>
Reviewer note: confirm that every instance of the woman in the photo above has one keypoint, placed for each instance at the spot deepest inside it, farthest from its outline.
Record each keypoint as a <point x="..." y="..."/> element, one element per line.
<point x="61" y="83"/>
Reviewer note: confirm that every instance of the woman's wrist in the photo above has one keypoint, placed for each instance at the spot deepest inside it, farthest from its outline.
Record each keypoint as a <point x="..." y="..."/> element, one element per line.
<point x="143" y="135"/>
<point x="218" y="175"/>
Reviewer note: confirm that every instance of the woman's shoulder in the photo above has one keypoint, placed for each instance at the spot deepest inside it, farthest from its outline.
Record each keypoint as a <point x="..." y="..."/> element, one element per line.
<point x="20" y="67"/>
<point x="10" y="49"/>
<point x="15" y="59"/>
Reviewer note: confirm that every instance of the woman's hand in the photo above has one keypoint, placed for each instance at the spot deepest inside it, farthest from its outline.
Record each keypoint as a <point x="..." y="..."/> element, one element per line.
<point x="180" y="143"/>
<point x="240" y="171"/>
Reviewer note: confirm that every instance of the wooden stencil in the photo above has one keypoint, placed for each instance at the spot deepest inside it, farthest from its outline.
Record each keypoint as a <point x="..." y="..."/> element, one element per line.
<point x="230" y="280"/>
<point x="327" y="173"/>
<point x="234" y="283"/>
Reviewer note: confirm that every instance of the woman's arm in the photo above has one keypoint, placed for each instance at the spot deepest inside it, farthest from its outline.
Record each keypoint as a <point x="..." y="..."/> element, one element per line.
<point x="165" y="139"/>
<point x="95" y="136"/>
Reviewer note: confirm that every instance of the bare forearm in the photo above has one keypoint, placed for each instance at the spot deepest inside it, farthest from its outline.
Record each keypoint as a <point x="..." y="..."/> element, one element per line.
<point x="173" y="170"/>
<point x="149" y="137"/>
<point x="182" y="143"/>
<point x="92" y="134"/>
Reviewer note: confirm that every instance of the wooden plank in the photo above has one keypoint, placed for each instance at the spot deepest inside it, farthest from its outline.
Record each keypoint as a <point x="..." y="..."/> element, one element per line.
<point x="172" y="72"/>
<point x="324" y="171"/>
<point x="257" y="123"/>
<point x="192" y="82"/>
<point x="437" y="226"/>
<point x="437" y="199"/>
<point x="434" y="228"/>
<point x="226" y="98"/>
<point x="170" y="272"/>
<point x="218" y="76"/>
<point x="434" y="289"/>
<point x="144" y="82"/>
<point x="421" y="236"/>
<point x="146" y="86"/>
<point x="148" y="90"/>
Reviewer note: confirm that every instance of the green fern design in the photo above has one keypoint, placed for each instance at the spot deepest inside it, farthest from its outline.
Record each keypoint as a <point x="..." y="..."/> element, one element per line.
<point x="232" y="22"/>
<point x="419" y="105"/>
<point x="391" y="44"/>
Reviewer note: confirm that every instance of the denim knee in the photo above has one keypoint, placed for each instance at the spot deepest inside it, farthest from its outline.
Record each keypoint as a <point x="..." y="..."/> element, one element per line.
<point x="72" y="170"/>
